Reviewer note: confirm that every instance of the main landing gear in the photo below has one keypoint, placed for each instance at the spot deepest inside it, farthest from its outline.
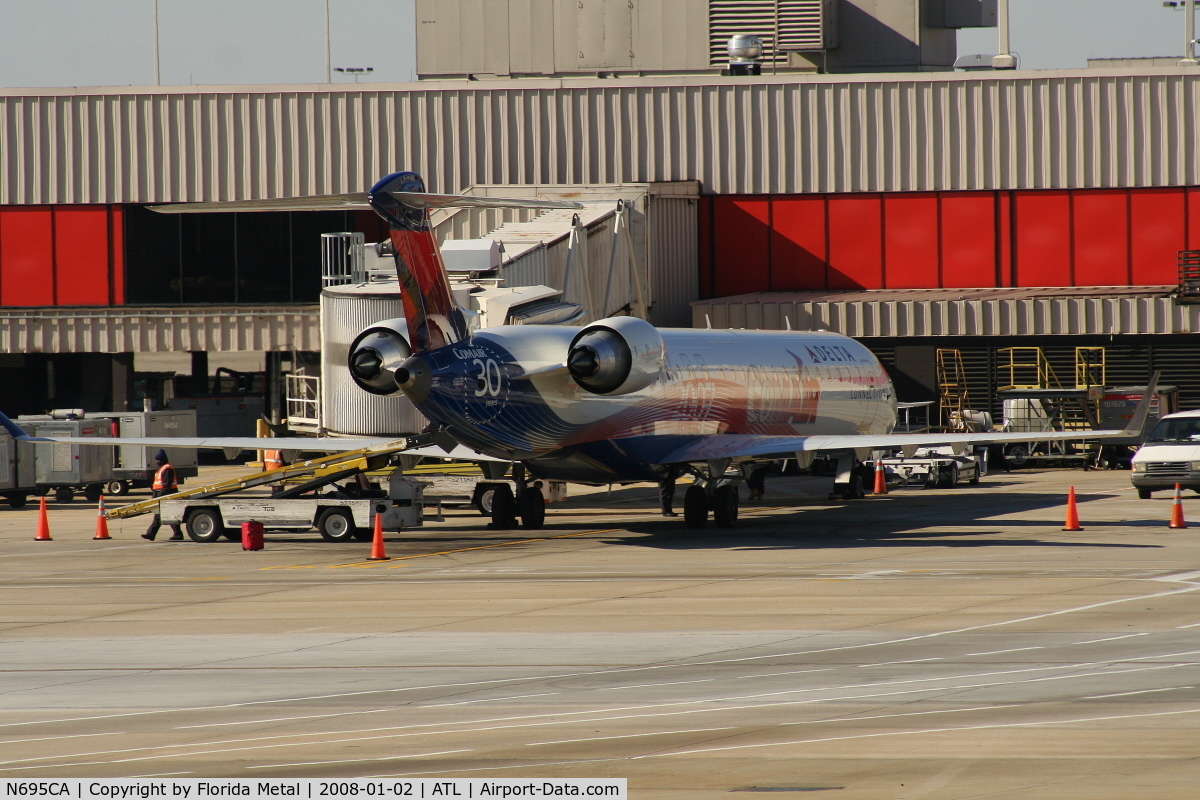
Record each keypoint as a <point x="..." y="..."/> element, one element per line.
<point x="718" y="496"/>
<point x="849" y="482"/>
<point x="526" y="508"/>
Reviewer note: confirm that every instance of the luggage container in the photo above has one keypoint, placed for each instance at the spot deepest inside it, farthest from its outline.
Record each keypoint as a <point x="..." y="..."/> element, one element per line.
<point x="135" y="465"/>
<point x="18" y="475"/>
<point x="68" y="468"/>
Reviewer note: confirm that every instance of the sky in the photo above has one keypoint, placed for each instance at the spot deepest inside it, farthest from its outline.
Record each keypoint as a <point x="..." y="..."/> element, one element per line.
<point x="49" y="43"/>
<point x="111" y="42"/>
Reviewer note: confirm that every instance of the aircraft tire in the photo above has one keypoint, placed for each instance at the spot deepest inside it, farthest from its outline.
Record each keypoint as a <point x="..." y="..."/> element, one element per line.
<point x="532" y="507"/>
<point x="854" y="490"/>
<point x="504" y="509"/>
<point x="725" y="506"/>
<point x="695" y="506"/>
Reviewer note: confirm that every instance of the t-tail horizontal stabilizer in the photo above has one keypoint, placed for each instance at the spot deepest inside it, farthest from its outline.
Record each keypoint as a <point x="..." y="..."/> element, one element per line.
<point x="361" y="200"/>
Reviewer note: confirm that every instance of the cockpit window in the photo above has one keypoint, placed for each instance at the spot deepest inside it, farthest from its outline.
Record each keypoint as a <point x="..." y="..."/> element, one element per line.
<point x="1176" y="430"/>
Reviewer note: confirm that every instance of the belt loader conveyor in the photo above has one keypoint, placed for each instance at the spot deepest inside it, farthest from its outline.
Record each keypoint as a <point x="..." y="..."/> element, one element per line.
<point x="209" y="513"/>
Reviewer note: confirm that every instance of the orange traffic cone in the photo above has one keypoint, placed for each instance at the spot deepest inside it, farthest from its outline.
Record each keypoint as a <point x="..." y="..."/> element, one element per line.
<point x="101" y="522"/>
<point x="43" y="528"/>
<point x="377" y="553"/>
<point x="880" y="477"/>
<point x="1177" y="520"/>
<point x="1072" y="523"/>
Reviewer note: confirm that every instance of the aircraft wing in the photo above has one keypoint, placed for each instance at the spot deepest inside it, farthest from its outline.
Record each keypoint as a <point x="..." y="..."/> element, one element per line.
<point x="320" y="445"/>
<point x="733" y="445"/>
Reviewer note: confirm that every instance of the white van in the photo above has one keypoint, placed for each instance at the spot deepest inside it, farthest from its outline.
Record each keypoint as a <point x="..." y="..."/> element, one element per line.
<point x="1170" y="455"/>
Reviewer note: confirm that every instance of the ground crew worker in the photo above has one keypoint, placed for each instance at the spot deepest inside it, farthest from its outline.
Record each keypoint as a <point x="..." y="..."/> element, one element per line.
<point x="666" y="488"/>
<point x="164" y="483"/>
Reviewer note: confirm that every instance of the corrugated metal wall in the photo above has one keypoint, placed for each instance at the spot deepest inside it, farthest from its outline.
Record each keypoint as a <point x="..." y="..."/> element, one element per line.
<point x="770" y="136"/>
<point x="160" y="330"/>
<point x="672" y="245"/>
<point x="1040" y="316"/>
<point x="927" y="240"/>
<point x="345" y="408"/>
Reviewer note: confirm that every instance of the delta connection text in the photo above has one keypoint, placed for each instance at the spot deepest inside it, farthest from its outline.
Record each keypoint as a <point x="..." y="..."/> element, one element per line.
<point x="209" y="789"/>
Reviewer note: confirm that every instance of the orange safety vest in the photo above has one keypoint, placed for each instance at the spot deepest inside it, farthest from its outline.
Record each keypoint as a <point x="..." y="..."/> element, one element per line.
<point x="158" y="484"/>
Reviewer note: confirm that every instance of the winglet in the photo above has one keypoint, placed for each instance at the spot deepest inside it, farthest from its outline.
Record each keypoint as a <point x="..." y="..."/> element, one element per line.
<point x="1138" y="421"/>
<point x="12" y="427"/>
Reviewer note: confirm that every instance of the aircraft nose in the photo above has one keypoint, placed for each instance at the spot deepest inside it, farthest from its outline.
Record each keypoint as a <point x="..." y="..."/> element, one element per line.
<point x="582" y="362"/>
<point x="366" y="364"/>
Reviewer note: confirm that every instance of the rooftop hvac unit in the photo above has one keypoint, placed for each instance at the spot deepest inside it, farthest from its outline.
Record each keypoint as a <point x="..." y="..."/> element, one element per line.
<point x="783" y="25"/>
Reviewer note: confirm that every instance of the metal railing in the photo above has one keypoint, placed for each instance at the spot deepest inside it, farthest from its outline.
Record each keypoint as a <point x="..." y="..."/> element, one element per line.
<point x="342" y="258"/>
<point x="303" y="399"/>
<point x="1189" y="277"/>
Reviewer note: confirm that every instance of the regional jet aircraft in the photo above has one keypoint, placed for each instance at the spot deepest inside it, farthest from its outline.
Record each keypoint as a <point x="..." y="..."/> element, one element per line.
<point x="614" y="401"/>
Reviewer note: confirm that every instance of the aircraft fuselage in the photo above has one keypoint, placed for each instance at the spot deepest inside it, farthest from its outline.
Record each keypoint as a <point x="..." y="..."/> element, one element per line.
<point x="713" y="381"/>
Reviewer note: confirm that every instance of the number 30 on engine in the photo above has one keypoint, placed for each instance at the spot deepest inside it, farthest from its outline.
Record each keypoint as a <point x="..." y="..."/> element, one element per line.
<point x="487" y="382"/>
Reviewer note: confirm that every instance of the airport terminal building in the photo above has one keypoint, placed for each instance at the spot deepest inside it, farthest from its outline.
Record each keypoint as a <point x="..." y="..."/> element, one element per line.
<point x="913" y="209"/>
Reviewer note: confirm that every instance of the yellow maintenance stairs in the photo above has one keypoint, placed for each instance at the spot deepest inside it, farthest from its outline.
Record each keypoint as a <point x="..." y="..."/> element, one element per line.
<point x="316" y="472"/>
<point x="1036" y="400"/>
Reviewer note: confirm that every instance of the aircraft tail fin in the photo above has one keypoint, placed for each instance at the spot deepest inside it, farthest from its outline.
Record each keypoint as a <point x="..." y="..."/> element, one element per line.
<point x="434" y="318"/>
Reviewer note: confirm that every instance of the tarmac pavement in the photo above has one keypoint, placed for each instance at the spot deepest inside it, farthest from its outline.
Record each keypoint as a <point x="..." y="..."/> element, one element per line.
<point x="927" y="644"/>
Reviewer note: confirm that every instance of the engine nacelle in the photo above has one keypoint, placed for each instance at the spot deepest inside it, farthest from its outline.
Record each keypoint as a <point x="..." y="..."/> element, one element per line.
<point x="616" y="355"/>
<point x="376" y="355"/>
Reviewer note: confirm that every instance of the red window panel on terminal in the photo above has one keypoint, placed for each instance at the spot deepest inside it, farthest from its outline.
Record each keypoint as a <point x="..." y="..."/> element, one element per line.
<point x="1193" y="219"/>
<point x="1157" y="227"/>
<point x="855" y="242"/>
<point x="741" y="247"/>
<point x="26" y="256"/>
<point x="798" y="244"/>
<point x="910" y="240"/>
<point x="1101" y="237"/>
<point x="82" y="263"/>
<point x="1042" y="228"/>
<point x="969" y="240"/>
